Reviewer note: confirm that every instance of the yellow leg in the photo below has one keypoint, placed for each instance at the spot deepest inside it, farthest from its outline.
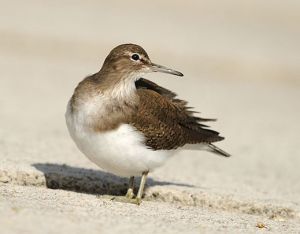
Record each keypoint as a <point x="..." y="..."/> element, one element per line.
<point x="130" y="193"/>
<point x="141" y="188"/>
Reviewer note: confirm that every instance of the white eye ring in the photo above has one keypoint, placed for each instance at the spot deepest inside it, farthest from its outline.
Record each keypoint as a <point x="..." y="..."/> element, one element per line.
<point x="135" y="57"/>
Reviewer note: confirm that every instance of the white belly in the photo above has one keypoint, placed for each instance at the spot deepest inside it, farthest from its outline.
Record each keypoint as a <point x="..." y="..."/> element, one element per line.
<point x="120" y="151"/>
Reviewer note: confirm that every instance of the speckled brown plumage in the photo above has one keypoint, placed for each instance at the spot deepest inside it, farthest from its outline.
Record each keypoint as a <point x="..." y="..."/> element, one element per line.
<point x="165" y="121"/>
<point x="114" y="111"/>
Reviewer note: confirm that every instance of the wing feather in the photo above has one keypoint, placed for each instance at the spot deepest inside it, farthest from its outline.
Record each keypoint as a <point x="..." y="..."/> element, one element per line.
<point x="166" y="121"/>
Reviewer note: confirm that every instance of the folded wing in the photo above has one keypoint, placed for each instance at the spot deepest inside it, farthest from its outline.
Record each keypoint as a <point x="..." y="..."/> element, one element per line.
<point x="166" y="121"/>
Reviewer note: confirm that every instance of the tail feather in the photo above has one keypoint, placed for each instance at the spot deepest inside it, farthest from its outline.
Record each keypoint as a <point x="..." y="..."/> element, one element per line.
<point x="214" y="149"/>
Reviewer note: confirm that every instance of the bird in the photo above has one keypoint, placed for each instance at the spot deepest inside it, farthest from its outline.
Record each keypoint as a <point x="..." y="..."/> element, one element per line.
<point x="128" y="125"/>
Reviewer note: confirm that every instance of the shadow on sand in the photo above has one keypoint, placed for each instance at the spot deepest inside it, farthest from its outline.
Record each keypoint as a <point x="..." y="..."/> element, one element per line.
<point x="61" y="176"/>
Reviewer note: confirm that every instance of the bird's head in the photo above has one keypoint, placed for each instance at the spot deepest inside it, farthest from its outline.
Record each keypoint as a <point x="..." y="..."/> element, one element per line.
<point x="130" y="60"/>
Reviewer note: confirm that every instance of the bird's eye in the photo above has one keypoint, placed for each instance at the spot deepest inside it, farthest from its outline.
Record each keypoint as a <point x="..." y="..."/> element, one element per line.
<point x="135" y="57"/>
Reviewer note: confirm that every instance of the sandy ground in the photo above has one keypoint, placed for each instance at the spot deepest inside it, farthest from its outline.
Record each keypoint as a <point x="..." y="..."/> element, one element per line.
<point x="241" y="64"/>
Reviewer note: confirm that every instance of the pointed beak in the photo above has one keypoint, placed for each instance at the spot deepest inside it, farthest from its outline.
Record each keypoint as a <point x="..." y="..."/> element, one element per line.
<point x="159" y="68"/>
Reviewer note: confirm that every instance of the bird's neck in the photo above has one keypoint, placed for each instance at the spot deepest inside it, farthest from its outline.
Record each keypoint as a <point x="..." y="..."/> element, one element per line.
<point x="117" y="85"/>
<point x="106" y="101"/>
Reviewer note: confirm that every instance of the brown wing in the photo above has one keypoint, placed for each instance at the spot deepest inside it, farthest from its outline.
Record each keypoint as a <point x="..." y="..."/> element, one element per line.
<point x="147" y="84"/>
<point x="165" y="121"/>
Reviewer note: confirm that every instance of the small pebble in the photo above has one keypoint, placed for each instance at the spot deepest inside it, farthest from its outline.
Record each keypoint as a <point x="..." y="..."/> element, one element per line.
<point x="261" y="225"/>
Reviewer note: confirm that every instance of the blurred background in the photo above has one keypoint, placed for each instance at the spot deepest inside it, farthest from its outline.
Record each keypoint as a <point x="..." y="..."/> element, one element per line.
<point x="241" y="65"/>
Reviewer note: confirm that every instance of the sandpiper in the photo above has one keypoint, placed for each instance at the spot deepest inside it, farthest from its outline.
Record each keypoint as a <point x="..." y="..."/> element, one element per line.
<point x="128" y="125"/>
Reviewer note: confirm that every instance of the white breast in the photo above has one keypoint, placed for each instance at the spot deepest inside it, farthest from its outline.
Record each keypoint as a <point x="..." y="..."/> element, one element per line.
<point x="120" y="151"/>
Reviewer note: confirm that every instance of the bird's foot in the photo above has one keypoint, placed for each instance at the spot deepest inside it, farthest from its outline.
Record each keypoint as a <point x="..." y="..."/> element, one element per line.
<point x="129" y="194"/>
<point x="136" y="201"/>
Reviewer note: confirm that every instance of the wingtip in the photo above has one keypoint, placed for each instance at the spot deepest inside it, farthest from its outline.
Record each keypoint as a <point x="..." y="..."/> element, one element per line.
<point x="218" y="151"/>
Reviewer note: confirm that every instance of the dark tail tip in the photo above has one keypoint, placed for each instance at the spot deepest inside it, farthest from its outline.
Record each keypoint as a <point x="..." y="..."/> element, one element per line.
<point x="218" y="151"/>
